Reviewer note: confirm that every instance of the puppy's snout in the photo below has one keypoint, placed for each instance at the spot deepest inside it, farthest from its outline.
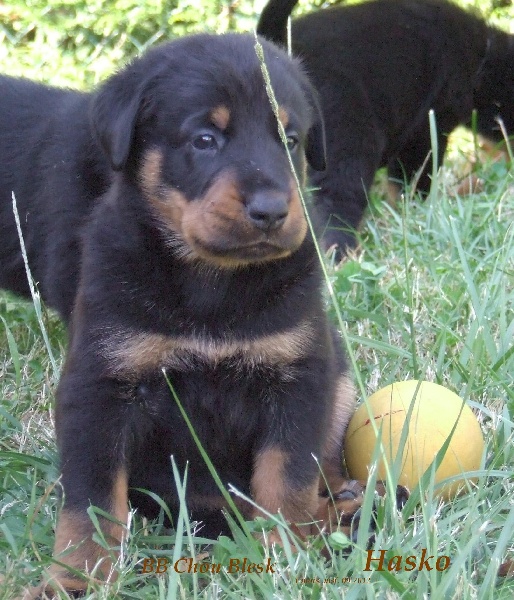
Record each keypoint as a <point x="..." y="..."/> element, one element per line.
<point x="268" y="210"/>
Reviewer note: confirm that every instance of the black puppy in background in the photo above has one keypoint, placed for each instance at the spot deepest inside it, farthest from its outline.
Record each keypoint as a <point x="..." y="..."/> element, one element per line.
<point x="379" y="67"/>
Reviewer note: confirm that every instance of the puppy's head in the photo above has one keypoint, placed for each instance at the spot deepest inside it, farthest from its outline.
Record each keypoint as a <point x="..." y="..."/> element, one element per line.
<point x="192" y="127"/>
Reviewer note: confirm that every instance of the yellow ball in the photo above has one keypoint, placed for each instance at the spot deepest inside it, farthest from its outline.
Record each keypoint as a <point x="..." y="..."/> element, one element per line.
<point x="435" y="411"/>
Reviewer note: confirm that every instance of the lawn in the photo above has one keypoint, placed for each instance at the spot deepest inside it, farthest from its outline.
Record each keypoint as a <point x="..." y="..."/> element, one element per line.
<point x="428" y="294"/>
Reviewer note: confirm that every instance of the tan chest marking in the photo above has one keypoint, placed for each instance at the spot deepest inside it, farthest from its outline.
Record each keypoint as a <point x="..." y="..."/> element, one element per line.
<point x="133" y="353"/>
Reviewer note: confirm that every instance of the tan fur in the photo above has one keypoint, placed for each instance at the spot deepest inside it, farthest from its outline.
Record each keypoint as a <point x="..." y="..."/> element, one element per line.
<point x="220" y="116"/>
<point x="283" y="116"/>
<point x="132" y="353"/>
<point x="342" y="411"/>
<point x="119" y="505"/>
<point x="216" y="503"/>
<point x="150" y="174"/>
<point x="274" y="494"/>
<point x="215" y="229"/>
<point x="75" y="530"/>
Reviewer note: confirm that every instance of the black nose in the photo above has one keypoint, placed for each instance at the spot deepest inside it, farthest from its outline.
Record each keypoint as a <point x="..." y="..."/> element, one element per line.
<point x="268" y="210"/>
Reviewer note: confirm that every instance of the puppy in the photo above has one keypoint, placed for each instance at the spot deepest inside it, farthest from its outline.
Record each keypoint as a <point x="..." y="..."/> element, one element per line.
<point x="163" y="222"/>
<point x="379" y="67"/>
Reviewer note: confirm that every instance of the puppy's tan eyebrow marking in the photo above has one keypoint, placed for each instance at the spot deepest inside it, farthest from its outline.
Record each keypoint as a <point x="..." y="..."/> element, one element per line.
<point x="283" y="116"/>
<point x="220" y="117"/>
<point x="130" y="352"/>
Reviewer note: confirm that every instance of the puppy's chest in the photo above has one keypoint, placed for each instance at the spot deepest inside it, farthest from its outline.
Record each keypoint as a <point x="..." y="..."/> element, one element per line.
<point x="230" y="377"/>
<point x="224" y="395"/>
<point x="132" y="354"/>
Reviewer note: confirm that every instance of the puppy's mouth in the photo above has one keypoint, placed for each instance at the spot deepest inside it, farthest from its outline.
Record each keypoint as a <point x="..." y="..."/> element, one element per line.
<point x="227" y="255"/>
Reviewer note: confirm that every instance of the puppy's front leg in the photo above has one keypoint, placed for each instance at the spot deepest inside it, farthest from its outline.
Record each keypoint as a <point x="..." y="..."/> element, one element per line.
<point x="276" y="489"/>
<point x="285" y="477"/>
<point x="91" y="434"/>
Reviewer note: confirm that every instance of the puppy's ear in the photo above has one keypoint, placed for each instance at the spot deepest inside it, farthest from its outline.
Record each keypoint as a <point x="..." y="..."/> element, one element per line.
<point x="114" y="112"/>
<point x="315" y="150"/>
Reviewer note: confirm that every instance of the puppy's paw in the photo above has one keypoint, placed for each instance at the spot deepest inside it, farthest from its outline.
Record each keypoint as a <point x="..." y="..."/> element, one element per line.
<point x="337" y="243"/>
<point x="340" y="510"/>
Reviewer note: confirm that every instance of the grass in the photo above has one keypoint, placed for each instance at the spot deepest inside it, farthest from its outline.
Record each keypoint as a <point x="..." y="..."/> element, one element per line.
<point x="429" y="294"/>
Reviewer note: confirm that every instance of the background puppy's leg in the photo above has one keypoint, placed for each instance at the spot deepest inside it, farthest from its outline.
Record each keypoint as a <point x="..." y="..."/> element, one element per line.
<point x="356" y="145"/>
<point x="415" y="153"/>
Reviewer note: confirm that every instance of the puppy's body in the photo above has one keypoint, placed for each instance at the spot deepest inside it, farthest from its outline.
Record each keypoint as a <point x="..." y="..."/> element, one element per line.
<point x="379" y="67"/>
<point x="163" y="222"/>
<point x="46" y="130"/>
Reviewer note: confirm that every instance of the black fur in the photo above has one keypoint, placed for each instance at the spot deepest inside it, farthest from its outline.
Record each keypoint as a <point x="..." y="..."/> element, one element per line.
<point x="162" y="222"/>
<point x="379" y="67"/>
<point x="51" y="161"/>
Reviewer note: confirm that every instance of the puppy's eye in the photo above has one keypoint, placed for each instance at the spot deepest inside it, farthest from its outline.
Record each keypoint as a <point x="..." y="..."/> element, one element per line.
<point x="205" y="141"/>
<point x="292" y="141"/>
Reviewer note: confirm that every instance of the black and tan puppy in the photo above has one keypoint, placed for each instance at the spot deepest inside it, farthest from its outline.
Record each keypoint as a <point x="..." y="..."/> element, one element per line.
<point x="379" y="67"/>
<point x="163" y="222"/>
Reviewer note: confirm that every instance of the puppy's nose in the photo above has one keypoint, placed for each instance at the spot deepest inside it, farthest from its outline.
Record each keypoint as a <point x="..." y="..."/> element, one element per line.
<point x="268" y="210"/>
